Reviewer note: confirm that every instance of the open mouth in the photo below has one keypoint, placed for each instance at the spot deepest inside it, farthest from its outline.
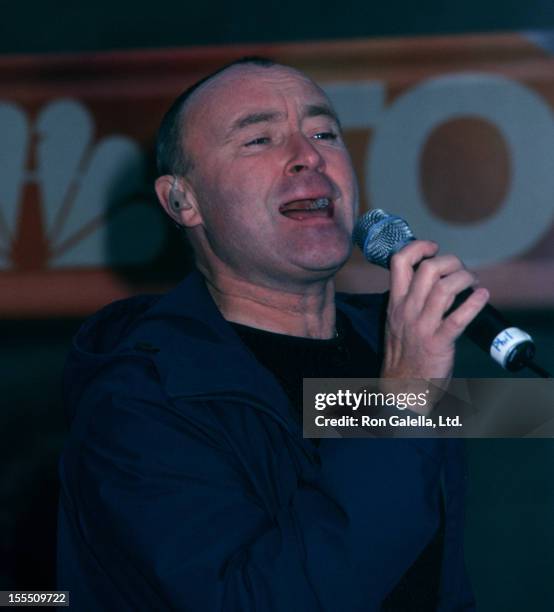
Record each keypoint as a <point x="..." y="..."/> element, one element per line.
<point x="299" y="210"/>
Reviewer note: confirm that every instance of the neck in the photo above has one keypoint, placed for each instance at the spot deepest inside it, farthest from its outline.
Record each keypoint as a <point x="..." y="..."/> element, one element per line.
<point x="308" y="312"/>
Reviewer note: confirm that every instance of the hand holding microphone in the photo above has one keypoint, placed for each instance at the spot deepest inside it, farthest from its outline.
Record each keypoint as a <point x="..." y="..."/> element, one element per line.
<point x="431" y="304"/>
<point x="420" y="336"/>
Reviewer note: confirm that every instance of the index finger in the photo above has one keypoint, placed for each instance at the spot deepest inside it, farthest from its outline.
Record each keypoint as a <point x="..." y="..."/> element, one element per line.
<point x="402" y="265"/>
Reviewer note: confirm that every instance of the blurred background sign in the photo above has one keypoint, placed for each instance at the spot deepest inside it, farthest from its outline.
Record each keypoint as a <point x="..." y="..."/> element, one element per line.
<point x="454" y="133"/>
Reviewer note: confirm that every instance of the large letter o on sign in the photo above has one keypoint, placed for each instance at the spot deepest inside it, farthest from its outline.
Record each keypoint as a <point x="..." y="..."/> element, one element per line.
<point x="527" y="125"/>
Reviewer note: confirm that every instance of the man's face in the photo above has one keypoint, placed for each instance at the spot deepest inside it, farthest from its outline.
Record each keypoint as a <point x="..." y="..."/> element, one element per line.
<point x="272" y="177"/>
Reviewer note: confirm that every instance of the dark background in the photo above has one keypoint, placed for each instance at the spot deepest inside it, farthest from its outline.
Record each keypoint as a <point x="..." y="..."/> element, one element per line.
<point x="510" y="535"/>
<point x="38" y="27"/>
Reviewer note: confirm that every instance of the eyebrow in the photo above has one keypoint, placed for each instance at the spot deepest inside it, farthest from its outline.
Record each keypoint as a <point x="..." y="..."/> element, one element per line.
<point x="318" y="110"/>
<point x="254" y="118"/>
<point x="311" y="110"/>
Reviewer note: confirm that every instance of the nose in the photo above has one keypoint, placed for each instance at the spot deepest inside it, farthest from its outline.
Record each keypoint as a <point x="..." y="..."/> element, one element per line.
<point x="303" y="155"/>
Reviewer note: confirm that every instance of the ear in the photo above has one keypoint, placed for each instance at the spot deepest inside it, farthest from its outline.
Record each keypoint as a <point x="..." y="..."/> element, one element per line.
<point x="178" y="200"/>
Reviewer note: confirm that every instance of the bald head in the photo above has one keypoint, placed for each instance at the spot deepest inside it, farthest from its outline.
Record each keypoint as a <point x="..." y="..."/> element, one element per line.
<point x="171" y="154"/>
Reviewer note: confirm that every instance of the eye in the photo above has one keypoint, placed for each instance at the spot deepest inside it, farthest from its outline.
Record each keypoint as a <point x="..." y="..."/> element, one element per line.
<point x="326" y="136"/>
<point x="258" y="141"/>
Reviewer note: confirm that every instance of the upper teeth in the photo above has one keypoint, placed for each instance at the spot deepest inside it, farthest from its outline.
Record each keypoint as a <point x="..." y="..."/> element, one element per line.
<point x="321" y="203"/>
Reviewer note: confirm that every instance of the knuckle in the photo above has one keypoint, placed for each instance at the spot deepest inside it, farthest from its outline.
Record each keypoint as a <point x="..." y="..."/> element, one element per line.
<point x="454" y="322"/>
<point x="442" y="289"/>
<point x="420" y="330"/>
<point x="396" y="318"/>
<point x="398" y="259"/>
<point x="427" y="245"/>
<point x="453" y="261"/>
<point x="465" y="279"/>
<point x="469" y="282"/>
<point x="427" y="266"/>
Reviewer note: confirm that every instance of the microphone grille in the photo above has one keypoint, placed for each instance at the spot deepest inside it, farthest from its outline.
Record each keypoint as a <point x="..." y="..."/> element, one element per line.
<point x="380" y="235"/>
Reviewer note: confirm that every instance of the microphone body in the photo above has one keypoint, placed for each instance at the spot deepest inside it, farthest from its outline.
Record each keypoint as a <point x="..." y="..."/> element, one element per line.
<point x="380" y="235"/>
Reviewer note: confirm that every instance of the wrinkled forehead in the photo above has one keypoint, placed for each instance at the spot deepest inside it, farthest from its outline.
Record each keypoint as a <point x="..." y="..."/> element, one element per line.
<point x="240" y="88"/>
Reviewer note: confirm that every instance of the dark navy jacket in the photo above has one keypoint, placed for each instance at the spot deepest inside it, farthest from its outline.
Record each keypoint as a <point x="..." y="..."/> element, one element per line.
<point x="187" y="485"/>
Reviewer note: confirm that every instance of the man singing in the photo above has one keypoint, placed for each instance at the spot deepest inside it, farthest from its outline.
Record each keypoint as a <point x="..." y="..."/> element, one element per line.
<point x="186" y="482"/>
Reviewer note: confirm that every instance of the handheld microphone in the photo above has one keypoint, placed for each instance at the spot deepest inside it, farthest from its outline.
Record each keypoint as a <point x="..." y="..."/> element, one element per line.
<point x="380" y="235"/>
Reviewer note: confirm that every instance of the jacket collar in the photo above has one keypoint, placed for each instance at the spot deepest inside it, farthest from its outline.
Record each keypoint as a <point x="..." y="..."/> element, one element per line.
<point x="199" y="355"/>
